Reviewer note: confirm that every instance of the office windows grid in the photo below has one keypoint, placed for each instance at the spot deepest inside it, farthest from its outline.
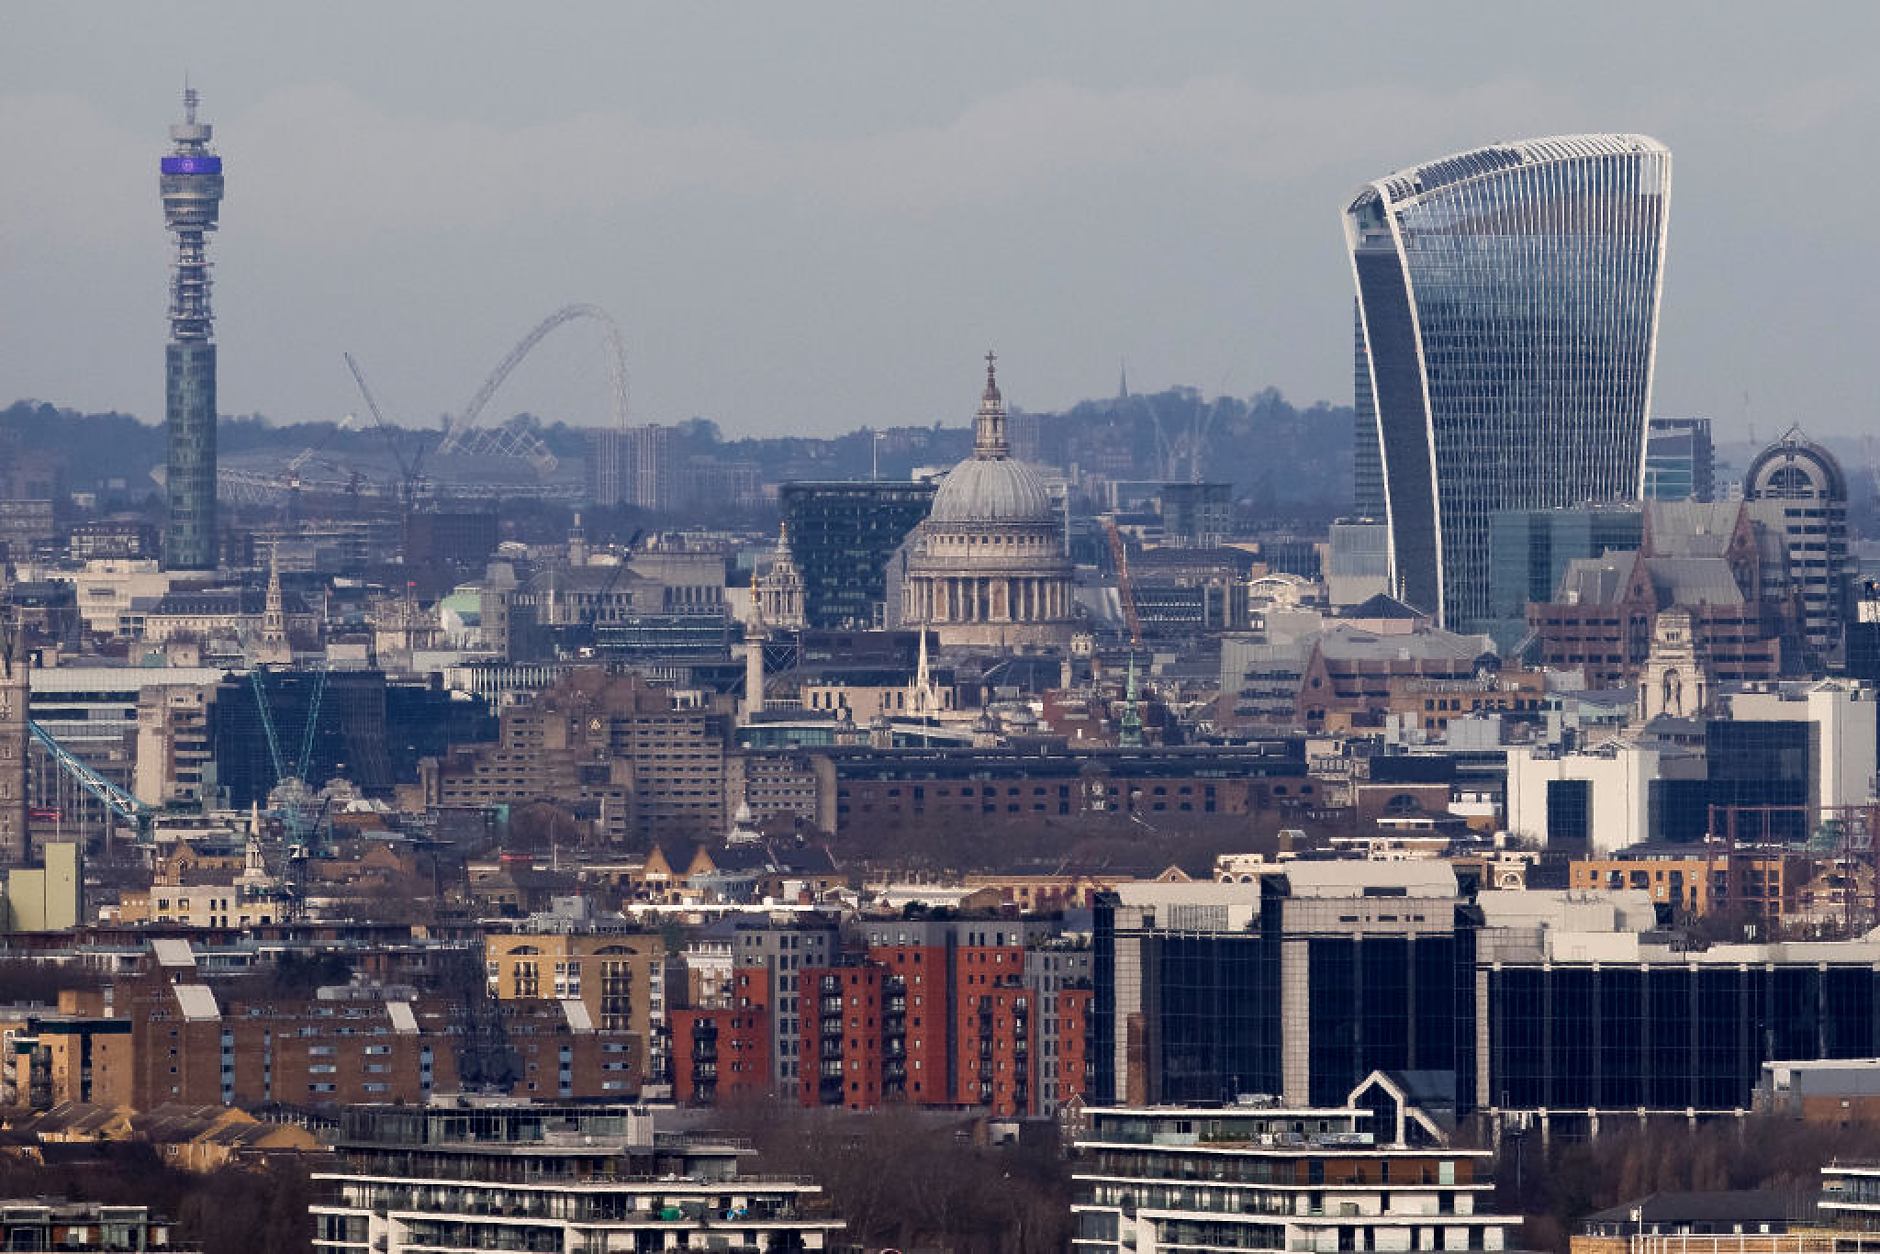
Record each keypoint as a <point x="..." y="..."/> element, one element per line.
<point x="1510" y="316"/>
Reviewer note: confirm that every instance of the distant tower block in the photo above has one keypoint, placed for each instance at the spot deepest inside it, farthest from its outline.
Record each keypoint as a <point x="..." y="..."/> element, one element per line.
<point x="191" y="183"/>
<point x="14" y="847"/>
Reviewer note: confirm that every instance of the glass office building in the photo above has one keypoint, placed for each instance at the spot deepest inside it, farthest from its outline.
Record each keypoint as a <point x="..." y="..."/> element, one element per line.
<point x="1302" y="984"/>
<point x="1680" y="460"/>
<point x="1508" y="304"/>
<point x="842" y="535"/>
<point x="1529" y="550"/>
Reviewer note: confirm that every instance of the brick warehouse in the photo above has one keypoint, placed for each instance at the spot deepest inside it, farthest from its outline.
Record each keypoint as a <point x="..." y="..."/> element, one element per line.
<point x="200" y="1044"/>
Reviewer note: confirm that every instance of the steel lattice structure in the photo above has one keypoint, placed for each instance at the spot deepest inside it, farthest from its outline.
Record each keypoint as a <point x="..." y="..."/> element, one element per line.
<point x="510" y="440"/>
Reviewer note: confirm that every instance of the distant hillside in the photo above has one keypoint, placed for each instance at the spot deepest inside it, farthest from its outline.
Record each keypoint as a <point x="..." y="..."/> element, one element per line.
<point x="1282" y="460"/>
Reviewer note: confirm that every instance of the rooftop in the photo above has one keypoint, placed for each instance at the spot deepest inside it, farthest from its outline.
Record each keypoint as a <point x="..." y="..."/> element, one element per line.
<point x="1478" y="163"/>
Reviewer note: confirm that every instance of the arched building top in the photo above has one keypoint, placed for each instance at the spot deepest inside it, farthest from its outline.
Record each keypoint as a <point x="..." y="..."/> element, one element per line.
<point x="1793" y="468"/>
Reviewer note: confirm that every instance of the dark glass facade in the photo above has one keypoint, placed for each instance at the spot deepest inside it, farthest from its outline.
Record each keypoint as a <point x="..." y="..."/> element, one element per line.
<point x="1367" y="463"/>
<point x="1680" y="460"/>
<point x="1569" y="811"/>
<point x="1216" y="1020"/>
<point x="1677" y="810"/>
<point x="1666" y="1036"/>
<point x="366" y="731"/>
<point x="842" y="536"/>
<point x="1529" y="550"/>
<point x="1393" y="1003"/>
<point x="1509" y="306"/>
<point x="1214" y="1048"/>
<point x="1765" y="769"/>
<point x="189" y="543"/>
<point x="1188" y="1012"/>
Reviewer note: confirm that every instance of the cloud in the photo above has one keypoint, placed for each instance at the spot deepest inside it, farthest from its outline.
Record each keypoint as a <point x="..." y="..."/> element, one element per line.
<point x="73" y="175"/>
<point x="317" y="162"/>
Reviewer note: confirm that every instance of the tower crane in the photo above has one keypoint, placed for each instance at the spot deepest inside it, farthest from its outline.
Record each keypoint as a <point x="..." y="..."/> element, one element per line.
<point x="121" y="804"/>
<point x="292" y="779"/>
<point x="409" y="474"/>
<point x="591" y="616"/>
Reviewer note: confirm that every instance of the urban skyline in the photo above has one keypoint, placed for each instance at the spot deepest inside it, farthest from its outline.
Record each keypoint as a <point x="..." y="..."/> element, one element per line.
<point x="1450" y="822"/>
<point x="1164" y="156"/>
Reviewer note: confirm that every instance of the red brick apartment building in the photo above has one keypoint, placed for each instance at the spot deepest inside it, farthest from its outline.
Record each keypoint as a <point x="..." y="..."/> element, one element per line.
<point x="968" y="1014"/>
<point x="720" y="1053"/>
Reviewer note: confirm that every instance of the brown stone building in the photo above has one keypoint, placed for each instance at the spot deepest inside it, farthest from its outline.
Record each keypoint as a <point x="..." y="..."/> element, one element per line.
<point x="1704" y="558"/>
<point x="873" y="788"/>
<point x="1765" y="883"/>
<point x="629" y="758"/>
<point x="193" y="1042"/>
<point x="1431" y="703"/>
<point x="624" y="981"/>
<point x="1353" y="676"/>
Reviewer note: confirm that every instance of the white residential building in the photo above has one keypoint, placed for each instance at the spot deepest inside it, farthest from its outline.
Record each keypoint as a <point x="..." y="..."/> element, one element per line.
<point x="1260" y="1176"/>
<point x="467" y="1174"/>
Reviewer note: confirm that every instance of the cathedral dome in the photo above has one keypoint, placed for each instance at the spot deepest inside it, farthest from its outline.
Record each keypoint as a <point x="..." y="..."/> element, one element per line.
<point x="991" y="486"/>
<point x="991" y="491"/>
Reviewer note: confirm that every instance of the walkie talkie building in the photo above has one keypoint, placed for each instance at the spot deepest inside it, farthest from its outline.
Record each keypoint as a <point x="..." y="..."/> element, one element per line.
<point x="1508" y="313"/>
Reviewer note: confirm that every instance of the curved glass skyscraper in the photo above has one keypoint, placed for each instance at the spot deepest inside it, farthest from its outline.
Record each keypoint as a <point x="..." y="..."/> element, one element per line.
<point x="1508" y="314"/>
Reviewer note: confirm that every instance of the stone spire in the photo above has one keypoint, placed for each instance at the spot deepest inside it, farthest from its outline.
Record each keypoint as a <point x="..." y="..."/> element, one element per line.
<point x="274" y="643"/>
<point x="921" y="701"/>
<point x="989" y="442"/>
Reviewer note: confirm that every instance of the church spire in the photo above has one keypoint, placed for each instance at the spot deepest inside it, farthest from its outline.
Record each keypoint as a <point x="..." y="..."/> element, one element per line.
<point x="989" y="442"/>
<point x="275" y="646"/>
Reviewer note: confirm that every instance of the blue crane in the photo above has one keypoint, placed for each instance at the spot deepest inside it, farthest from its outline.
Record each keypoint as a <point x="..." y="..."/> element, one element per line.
<point x="114" y="799"/>
<point x="293" y="815"/>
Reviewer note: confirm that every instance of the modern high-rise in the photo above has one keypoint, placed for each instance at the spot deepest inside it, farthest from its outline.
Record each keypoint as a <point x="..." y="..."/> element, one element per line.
<point x="191" y="182"/>
<point x="1367" y="463"/>
<point x="1680" y="460"/>
<point x="631" y="466"/>
<point x="843" y="536"/>
<point x="1797" y="490"/>
<point x="1530" y="550"/>
<point x="1508" y="309"/>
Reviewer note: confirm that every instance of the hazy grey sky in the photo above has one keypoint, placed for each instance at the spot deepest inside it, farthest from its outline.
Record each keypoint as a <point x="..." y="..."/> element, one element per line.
<point x="808" y="217"/>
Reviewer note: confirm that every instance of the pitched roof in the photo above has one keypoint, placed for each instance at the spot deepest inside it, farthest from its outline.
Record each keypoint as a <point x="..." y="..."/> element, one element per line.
<point x="1595" y="580"/>
<point x="1734" y="1206"/>
<point x="1692" y="528"/>
<point x="1382" y="606"/>
<point x="1693" y="581"/>
<point x="1344" y="641"/>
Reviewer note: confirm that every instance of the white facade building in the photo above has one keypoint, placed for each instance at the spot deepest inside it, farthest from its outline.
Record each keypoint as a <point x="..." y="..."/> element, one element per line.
<point x="1602" y="796"/>
<point x="1260" y="1176"/>
<point x="464" y="1175"/>
<point x="1842" y="712"/>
